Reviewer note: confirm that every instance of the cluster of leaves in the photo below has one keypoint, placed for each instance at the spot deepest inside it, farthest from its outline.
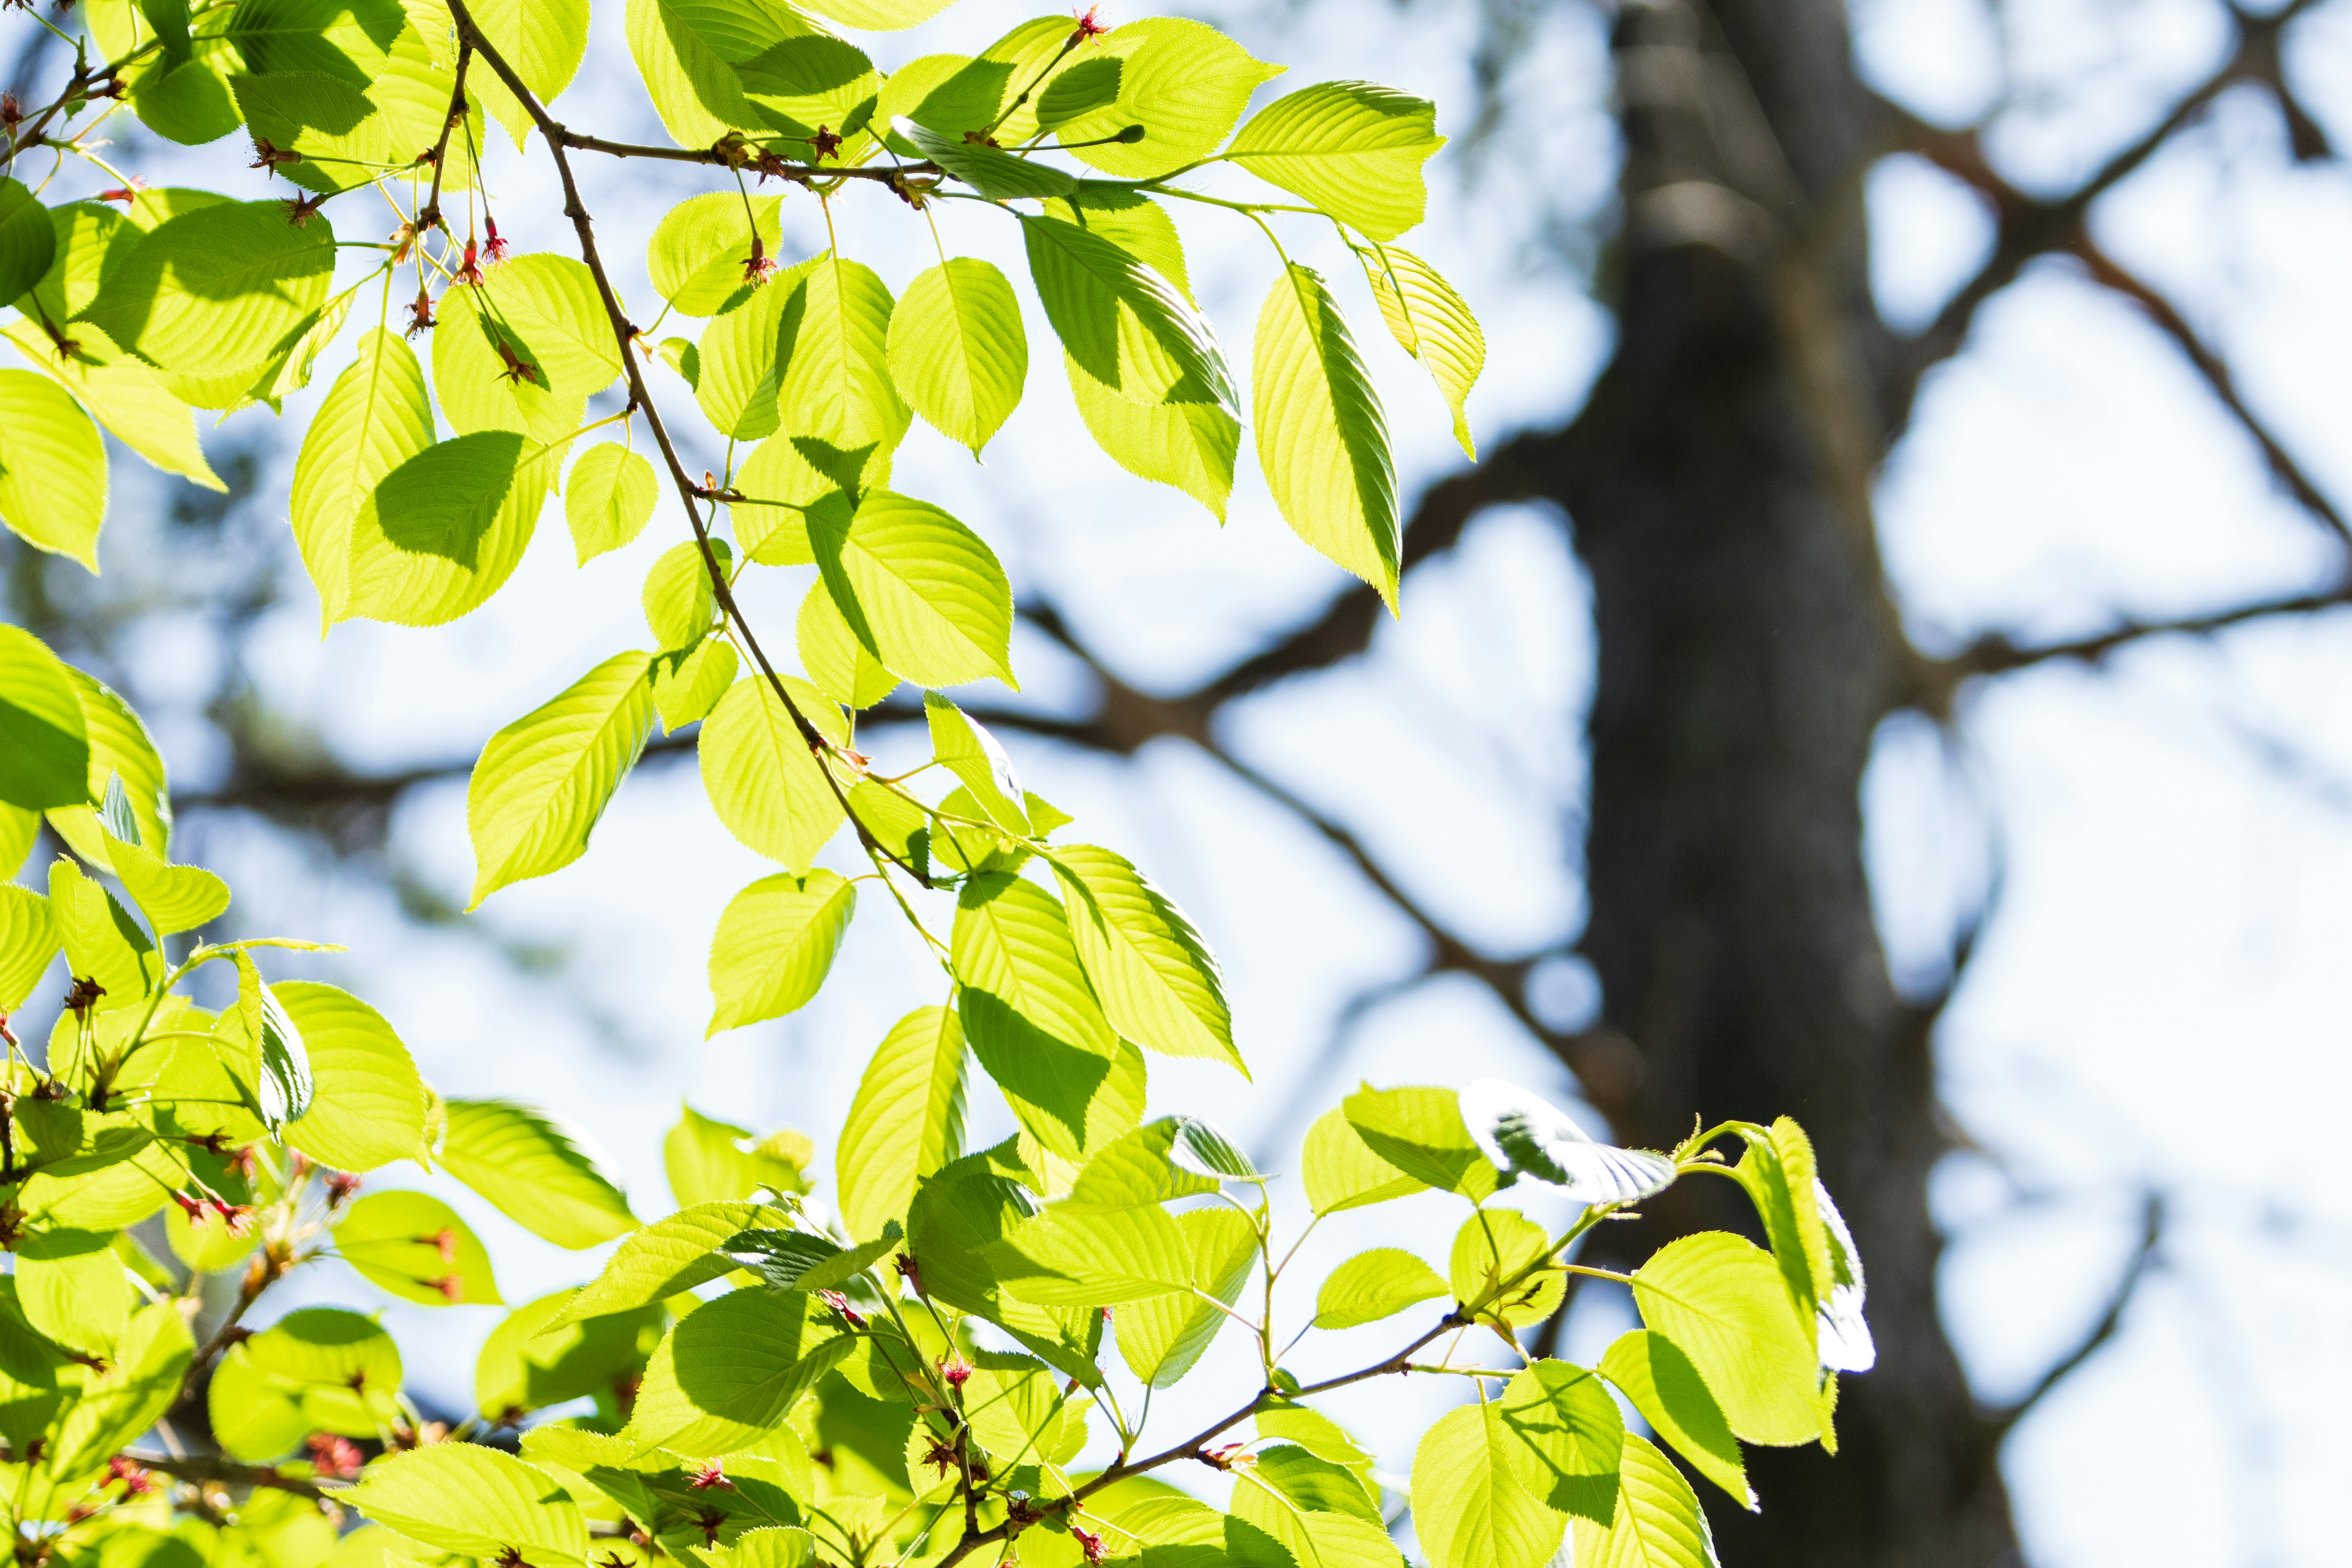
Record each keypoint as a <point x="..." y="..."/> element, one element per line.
<point x="900" y="1371"/>
<point x="902" y="1374"/>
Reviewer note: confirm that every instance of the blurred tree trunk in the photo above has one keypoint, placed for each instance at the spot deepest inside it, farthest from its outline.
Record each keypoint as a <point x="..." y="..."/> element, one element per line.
<point x="1718" y="482"/>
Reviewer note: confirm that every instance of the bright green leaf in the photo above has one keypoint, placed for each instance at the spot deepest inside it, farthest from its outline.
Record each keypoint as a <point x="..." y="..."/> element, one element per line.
<point x="957" y="349"/>
<point x="774" y="946"/>
<point x="906" y="1121"/>
<point x="1650" y="1370"/>
<point x="376" y="416"/>
<point x="922" y="591"/>
<point x="52" y="467"/>
<point x="838" y="665"/>
<point x="444" y="529"/>
<point x="680" y="602"/>
<point x="1657" y="1522"/>
<point x="696" y="257"/>
<point x="45" y="750"/>
<point x="1322" y="438"/>
<point x="472" y="1501"/>
<point x="1421" y="1132"/>
<point x="369" y="1107"/>
<point x="664" y="1259"/>
<point x="544" y="1174"/>
<point x="607" y="499"/>
<point x="731" y="1372"/>
<point x="1353" y="149"/>
<point x="544" y="40"/>
<point x="1430" y="322"/>
<point x="1471" y="1509"/>
<point x="711" y="1162"/>
<point x="1162" y="1338"/>
<point x="1184" y="82"/>
<point x="28" y="940"/>
<point x="544" y="780"/>
<point x="1375" y="1285"/>
<point x="767" y="788"/>
<point x="1720" y="1300"/>
<point x="416" y="1247"/>
<point x="1127" y="325"/>
<point x="1160" y="985"/>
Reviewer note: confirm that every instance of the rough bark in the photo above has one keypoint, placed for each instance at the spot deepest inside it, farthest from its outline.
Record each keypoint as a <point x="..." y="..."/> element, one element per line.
<point x="1747" y="652"/>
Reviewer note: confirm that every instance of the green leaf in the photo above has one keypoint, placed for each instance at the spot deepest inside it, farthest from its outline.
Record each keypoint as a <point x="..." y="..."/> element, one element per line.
<point x="762" y="781"/>
<point x="472" y="1501"/>
<point x="1190" y="446"/>
<point x="1183" y="81"/>
<point x="688" y="50"/>
<point x="215" y="290"/>
<point x="798" y="1260"/>
<point x="546" y="1175"/>
<point x="344" y="39"/>
<point x="804" y="84"/>
<point x="322" y="1367"/>
<point x="526" y="1365"/>
<point x="970" y="752"/>
<point x="836" y="384"/>
<point x="1125" y="323"/>
<point x="416" y="1248"/>
<point x="376" y="416"/>
<point x="29" y="242"/>
<point x="697" y="254"/>
<point x="1570" y="1438"/>
<point x="1657" y="1523"/>
<point x="680" y="602"/>
<point x="714" y="1161"/>
<point x="73" y="1287"/>
<point x="118" y="1405"/>
<point x="52" y="467"/>
<point x="608" y="498"/>
<point x="1494" y="1248"/>
<point x="1060" y="1259"/>
<point x="1720" y="1300"/>
<point x="1137" y="1170"/>
<point x="343" y="134"/>
<point x="1375" y="1285"/>
<point x="276" y="1066"/>
<point x="44" y="751"/>
<point x="1315" y="1510"/>
<point x="124" y="394"/>
<point x="369" y="1105"/>
<point x="922" y="592"/>
<point x="774" y="946"/>
<point x="28" y="940"/>
<point x="1322" y="440"/>
<point x="792" y="479"/>
<point x="1525" y="1134"/>
<point x="1033" y="1022"/>
<point x="666" y="1258"/>
<point x="960" y="1216"/>
<point x="906" y="1122"/>
<point x="1131" y="220"/>
<point x="957" y="349"/>
<point x="1351" y="148"/>
<point x="1471" y="1508"/>
<point x="544" y="40"/>
<point x="739" y="363"/>
<point x="993" y="172"/>
<point x="545" y="312"/>
<point x="122" y="755"/>
<point x="18" y="829"/>
<point x="1161" y="1338"/>
<point x="1160" y="986"/>
<point x="730" y="1372"/>
<point x="1651" y="1371"/>
<point x="688" y="684"/>
<point x="838" y="665"/>
<point x="174" y="898"/>
<point x="1430" y="322"/>
<point x="879" y="16"/>
<point x="1420" y="1131"/>
<point x="444" y="529"/>
<point x="101" y="941"/>
<point x="953" y="93"/>
<point x="544" y="780"/>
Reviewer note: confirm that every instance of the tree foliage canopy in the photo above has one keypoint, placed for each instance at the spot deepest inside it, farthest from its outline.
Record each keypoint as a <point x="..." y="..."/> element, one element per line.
<point x="903" y="1369"/>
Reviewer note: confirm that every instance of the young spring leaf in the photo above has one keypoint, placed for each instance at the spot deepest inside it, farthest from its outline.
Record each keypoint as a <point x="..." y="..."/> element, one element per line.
<point x="730" y="1372"/>
<point x="444" y="529"/>
<point x="680" y="602"/>
<point x="416" y="1247"/>
<point x="957" y="349"/>
<point x="688" y="684"/>
<point x="368" y="1108"/>
<point x="1570" y="1438"/>
<point x="968" y="751"/>
<point x="1430" y="322"/>
<point x="1375" y="1285"/>
<point x="664" y="1259"/>
<point x="1351" y="148"/>
<point x="697" y="254"/>
<point x="1317" y="1511"/>
<point x="215" y="291"/>
<point x="544" y="40"/>
<point x="124" y="394"/>
<point x="71" y="1287"/>
<point x="994" y="173"/>
<point x="376" y="416"/>
<point x="1158" y="984"/>
<point x="1033" y="1022"/>
<point x="45" y="750"/>
<point x="1650" y="1370"/>
<point x="1184" y="82"/>
<point x="774" y="946"/>
<point x="174" y="898"/>
<point x="1470" y="1506"/>
<point x="1322" y="438"/>
<point x="1499" y="1266"/>
<point x="737" y="362"/>
<point x="29" y="940"/>
<point x="525" y="349"/>
<point x="544" y="1174"/>
<point x="608" y="498"/>
<point x="472" y="1501"/>
<point x="906" y="1121"/>
<point x="1521" y="1132"/>
<point x="923" y="592"/>
<point x="836" y="384"/>
<point x="102" y="942"/>
<point x="52" y="467"/>
<point x="544" y="780"/>
<point x="712" y="1162"/>
<point x="28" y="241"/>
<point x="1657" y="1522"/>
<point x="123" y="756"/>
<point x="1190" y="446"/>
<point x="528" y="1365"/>
<point x="130" y="1395"/>
<point x="1128" y="326"/>
<point x="1063" y="1260"/>
<point x="1162" y="1338"/>
<point x="1720" y="1300"/>
<point x="839" y="665"/>
<point x="766" y="788"/>
<point x="1420" y="1132"/>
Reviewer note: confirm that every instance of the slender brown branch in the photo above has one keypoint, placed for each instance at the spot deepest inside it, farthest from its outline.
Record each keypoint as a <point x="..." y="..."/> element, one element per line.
<point x="690" y="495"/>
<point x="430" y="217"/>
<point x="2119" y="1301"/>
<point x="2111" y="275"/>
<point x="730" y="155"/>
<point x="217" y="1467"/>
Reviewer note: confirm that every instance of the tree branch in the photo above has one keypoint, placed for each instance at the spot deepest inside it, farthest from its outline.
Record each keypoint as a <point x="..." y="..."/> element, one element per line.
<point x="2032" y="227"/>
<point x="2119" y="1301"/>
<point x="217" y="1467"/>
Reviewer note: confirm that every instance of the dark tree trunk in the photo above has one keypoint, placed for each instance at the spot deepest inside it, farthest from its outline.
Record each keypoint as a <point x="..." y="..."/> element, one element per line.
<point x="1717" y="485"/>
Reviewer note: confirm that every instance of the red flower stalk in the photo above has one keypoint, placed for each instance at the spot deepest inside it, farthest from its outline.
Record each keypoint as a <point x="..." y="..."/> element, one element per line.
<point x="452" y="1287"/>
<point x="840" y="1303"/>
<point x="193" y="1207"/>
<point x="956" y="1370"/>
<point x="1088" y="1542"/>
<point x="331" y="1457"/>
<point x="420" y="314"/>
<point x="496" y="251"/>
<point x="469" y="270"/>
<point x="710" y="1475"/>
<point x="1088" y="27"/>
<point x="827" y="143"/>
<point x="238" y="1218"/>
<point x="341" y="1185"/>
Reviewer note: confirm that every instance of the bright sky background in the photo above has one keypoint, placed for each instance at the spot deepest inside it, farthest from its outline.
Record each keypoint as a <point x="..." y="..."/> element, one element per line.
<point x="2158" y="1000"/>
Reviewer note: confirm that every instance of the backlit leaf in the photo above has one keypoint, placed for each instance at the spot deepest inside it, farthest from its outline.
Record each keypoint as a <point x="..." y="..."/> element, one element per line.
<point x="544" y="780"/>
<point x="774" y="946"/>
<point x="957" y="349"/>
<point x="1651" y="1371"/>
<point x="923" y="592"/>
<point x="416" y="1247"/>
<point x="52" y="467"/>
<point x="44" y="751"/>
<point x="1322" y="438"/>
<point x="544" y="1174"/>
<point x="608" y="498"/>
<point x="906" y="1121"/>
<point x="1430" y="322"/>
<point x="472" y="1501"/>
<point x="1657" y="1522"/>
<point x="369" y="1105"/>
<point x="1351" y="148"/>
<point x="1375" y="1285"/>
<point x="766" y="786"/>
<point x="1470" y="1506"/>
<point x="1160" y="985"/>
<point x="376" y="416"/>
<point x="1720" y="1300"/>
